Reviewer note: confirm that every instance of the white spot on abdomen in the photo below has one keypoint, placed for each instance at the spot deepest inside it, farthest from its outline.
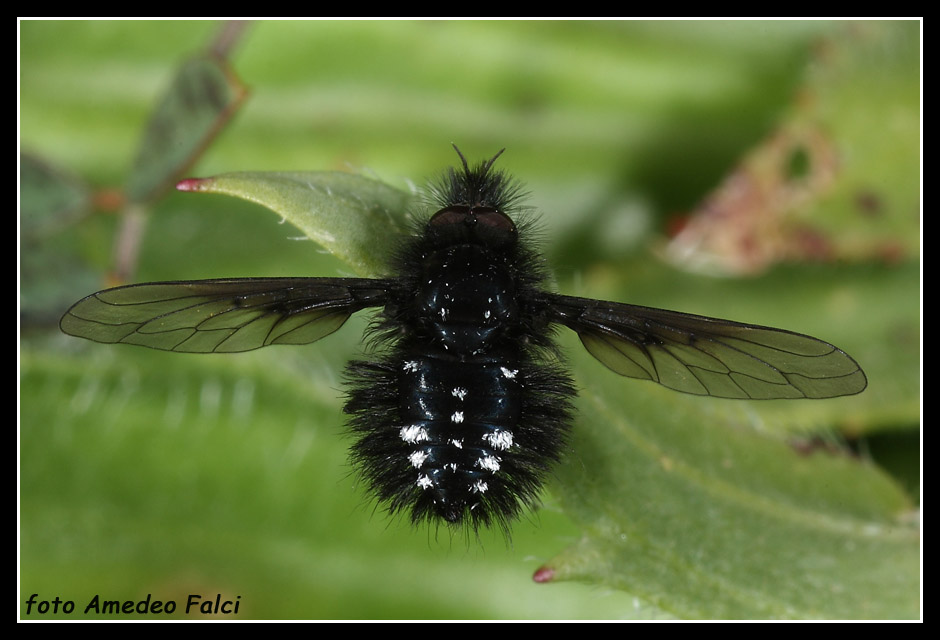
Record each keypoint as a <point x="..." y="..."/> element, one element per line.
<point x="499" y="439"/>
<point x="417" y="458"/>
<point x="413" y="433"/>
<point x="509" y="373"/>
<point x="488" y="463"/>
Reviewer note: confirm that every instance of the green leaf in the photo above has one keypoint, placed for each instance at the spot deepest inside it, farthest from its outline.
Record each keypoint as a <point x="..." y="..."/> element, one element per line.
<point x="685" y="504"/>
<point x="351" y="216"/>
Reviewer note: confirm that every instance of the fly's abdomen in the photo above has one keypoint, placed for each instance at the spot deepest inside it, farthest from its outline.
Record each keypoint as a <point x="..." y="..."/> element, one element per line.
<point x="466" y="441"/>
<point x="458" y="426"/>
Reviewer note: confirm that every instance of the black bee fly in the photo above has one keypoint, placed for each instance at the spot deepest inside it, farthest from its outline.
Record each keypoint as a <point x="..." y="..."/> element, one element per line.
<point x="468" y="404"/>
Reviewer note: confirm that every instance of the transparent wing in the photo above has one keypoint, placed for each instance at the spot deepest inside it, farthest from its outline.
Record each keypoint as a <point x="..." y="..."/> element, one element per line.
<point x="227" y="315"/>
<point x="707" y="356"/>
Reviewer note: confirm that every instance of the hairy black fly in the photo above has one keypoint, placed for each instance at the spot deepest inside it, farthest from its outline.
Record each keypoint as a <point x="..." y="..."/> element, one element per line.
<point x="467" y="406"/>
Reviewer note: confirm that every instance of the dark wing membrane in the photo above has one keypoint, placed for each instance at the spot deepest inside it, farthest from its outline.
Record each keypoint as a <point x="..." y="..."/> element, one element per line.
<point x="707" y="356"/>
<point x="222" y="316"/>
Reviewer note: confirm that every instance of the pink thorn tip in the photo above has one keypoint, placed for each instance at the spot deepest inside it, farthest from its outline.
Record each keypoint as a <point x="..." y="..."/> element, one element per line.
<point x="191" y="184"/>
<point x="543" y="574"/>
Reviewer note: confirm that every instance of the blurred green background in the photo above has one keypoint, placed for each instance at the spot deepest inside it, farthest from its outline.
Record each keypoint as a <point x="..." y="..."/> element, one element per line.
<point x="151" y="473"/>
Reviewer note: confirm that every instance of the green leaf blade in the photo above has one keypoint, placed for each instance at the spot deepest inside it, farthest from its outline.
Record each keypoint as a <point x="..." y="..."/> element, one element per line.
<point x="349" y="215"/>
<point x="686" y="506"/>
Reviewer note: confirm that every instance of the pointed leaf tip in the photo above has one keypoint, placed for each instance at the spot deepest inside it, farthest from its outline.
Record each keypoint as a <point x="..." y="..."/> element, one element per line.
<point x="543" y="574"/>
<point x="193" y="184"/>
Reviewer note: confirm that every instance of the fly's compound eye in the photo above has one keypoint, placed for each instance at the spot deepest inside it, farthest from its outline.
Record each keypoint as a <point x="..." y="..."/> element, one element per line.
<point x="494" y="219"/>
<point x="451" y="215"/>
<point x="471" y="216"/>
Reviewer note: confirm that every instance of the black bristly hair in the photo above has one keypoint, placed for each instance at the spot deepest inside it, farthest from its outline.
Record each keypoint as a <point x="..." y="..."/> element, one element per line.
<point x="477" y="187"/>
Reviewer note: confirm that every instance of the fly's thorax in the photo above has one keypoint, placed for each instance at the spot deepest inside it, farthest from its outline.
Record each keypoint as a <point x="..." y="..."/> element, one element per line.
<point x="466" y="298"/>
